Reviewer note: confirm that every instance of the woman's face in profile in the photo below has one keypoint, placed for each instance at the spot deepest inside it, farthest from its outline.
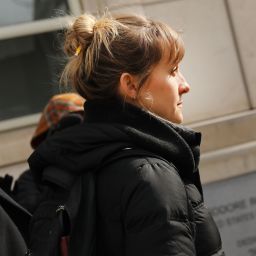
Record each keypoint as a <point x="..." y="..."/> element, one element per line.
<point x="162" y="92"/>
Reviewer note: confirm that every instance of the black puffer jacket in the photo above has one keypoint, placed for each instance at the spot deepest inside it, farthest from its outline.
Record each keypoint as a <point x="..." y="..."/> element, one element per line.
<point x="150" y="200"/>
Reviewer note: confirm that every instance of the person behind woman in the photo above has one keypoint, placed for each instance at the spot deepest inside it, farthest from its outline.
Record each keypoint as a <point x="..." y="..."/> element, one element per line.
<point x="61" y="112"/>
<point x="149" y="194"/>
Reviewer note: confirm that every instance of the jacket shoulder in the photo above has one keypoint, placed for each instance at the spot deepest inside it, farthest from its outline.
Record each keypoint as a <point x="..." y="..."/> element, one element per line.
<point x="146" y="176"/>
<point x="136" y="159"/>
<point x="148" y="196"/>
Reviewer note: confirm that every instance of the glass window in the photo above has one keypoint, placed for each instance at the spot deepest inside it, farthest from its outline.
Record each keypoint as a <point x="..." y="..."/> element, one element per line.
<point x="29" y="73"/>
<point x="18" y="11"/>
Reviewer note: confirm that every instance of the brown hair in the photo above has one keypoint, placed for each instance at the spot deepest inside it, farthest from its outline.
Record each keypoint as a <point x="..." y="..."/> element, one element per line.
<point x="111" y="46"/>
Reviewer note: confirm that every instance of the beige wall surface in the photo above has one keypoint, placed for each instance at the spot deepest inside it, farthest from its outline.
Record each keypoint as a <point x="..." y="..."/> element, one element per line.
<point x="14" y="146"/>
<point x="244" y="19"/>
<point x="14" y="150"/>
<point x="210" y="63"/>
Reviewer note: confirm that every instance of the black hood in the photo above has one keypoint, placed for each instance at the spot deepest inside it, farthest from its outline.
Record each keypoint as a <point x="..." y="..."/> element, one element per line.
<point x="110" y="126"/>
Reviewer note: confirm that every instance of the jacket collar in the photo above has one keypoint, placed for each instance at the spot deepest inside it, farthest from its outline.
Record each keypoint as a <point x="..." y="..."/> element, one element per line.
<point x="175" y="143"/>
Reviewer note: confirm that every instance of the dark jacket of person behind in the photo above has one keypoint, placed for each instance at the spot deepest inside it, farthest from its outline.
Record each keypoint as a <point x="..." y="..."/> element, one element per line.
<point x="14" y="227"/>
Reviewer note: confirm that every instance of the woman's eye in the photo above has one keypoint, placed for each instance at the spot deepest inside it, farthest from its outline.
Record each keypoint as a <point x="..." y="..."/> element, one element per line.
<point x="174" y="70"/>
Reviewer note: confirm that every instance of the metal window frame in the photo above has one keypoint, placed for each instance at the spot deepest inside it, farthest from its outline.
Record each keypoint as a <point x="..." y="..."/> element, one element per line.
<point x="75" y="6"/>
<point x="33" y="28"/>
<point x="41" y="26"/>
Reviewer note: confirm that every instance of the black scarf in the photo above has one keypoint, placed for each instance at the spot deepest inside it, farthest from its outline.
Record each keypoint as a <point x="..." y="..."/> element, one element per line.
<point x="110" y="126"/>
<point x="175" y="143"/>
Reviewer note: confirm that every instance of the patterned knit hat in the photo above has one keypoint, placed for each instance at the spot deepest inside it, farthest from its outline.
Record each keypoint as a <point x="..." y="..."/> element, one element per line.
<point x="58" y="106"/>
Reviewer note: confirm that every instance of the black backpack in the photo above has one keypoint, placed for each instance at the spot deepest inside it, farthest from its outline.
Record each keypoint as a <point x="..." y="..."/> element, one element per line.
<point x="63" y="218"/>
<point x="64" y="224"/>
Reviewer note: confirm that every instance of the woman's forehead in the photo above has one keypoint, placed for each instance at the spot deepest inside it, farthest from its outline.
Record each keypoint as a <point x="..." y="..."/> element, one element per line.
<point x="171" y="57"/>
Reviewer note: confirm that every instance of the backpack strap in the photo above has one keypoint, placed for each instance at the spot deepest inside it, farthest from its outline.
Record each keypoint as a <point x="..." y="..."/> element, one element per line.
<point x="83" y="234"/>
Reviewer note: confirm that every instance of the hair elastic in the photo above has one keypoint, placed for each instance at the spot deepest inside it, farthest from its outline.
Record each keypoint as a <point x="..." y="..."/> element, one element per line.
<point x="78" y="50"/>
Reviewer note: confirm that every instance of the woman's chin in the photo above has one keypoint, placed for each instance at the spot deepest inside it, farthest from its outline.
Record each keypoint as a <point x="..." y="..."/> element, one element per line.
<point x="177" y="119"/>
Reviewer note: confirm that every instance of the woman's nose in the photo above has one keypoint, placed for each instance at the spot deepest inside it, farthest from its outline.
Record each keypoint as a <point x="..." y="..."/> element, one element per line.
<point x="184" y="87"/>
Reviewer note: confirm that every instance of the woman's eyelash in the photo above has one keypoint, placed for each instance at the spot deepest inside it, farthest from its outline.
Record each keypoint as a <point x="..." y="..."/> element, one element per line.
<point x="174" y="70"/>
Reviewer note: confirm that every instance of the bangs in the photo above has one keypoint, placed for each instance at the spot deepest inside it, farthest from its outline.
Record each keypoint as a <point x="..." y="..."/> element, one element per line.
<point x="171" y="44"/>
<point x="176" y="51"/>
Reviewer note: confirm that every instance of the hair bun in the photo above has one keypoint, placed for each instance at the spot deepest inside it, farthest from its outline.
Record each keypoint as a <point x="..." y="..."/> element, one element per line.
<point x="80" y="33"/>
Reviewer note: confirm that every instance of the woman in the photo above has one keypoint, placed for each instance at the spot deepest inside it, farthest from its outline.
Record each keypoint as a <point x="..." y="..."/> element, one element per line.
<point x="149" y="195"/>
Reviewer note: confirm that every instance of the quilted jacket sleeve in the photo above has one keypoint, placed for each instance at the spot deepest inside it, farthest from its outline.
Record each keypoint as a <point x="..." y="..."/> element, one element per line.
<point x="156" y="214"/>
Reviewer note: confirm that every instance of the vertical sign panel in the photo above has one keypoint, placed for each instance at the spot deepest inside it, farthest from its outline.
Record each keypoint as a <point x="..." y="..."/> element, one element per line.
<point x="233" y="206"/>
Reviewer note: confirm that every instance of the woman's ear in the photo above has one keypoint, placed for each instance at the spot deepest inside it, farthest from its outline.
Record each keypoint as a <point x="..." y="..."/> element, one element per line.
<point x="128" y="86"/>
